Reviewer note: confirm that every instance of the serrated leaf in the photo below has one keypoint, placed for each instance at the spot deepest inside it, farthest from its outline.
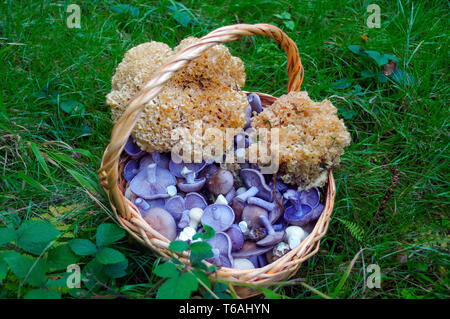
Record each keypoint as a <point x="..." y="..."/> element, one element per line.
<point x="179" y="287"/>
<point x="289" y="24"/>
<point x="72" y="107"/>
<point x="93" y="273"/>
<point x="82" y="247"/>
<point x="42" y="294"/>
<point x="7" y="235"/>
<point x="30" y="269"/>
<point x="200" y="247"/>
<point x="60" y="257"/>
<point x="202" y="276"/>
<point x="166" y="270"/>
<point x="108" y="233"/>
<point x="116" y="270"/>
<point x="107" y="256"/>
<point x="178" y="246"/>
<point x="208" y="233"/>
<point x="34" y="235"/>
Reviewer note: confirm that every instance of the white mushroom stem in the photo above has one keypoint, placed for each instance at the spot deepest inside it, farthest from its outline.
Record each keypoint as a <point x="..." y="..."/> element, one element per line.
<point x="187" y="233"/>
<point x="195" y="215"/>
<point x="244" y="227"/>
<point x="242" y="263"/>
<point x="188" y="174"/>
<point x="171" y="190"/>
<point x="221" y="200"/>
<point x="281" y="249"/>
<point x="295" y="235"/>
<point x="240" y="191"/>
<point x="151" y="173"/>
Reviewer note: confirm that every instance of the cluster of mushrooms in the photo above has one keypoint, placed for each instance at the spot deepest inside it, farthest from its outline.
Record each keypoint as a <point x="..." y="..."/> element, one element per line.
<point x="256" y="218"/>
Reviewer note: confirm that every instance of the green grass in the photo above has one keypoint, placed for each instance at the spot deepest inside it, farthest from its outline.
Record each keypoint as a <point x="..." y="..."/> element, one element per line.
<point x="49" y="158"/>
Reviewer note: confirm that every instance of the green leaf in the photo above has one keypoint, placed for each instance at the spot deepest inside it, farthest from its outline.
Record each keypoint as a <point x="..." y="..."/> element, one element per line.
<point x="283" y="16"/>
<point x="108" y="233"/>
<point x="84" y="181"/>
<point x="108" y="256"/>
<point x="200" y="247"/>
<point x="166" y="270"/>
<point x="7" y="235"/>
<point x="60" y="257"/>
<point x="380" y="59"/>
<point x="72" y="107"/>
<point x="289" y="24"/>
<point x="347" y="114"/>
<point x="357" y="49"/>
<point x="391" y="57"/>
<point x="37" y="153"/>
<point x="42" y="294"/>
<point x="126" y="9"/>
<point x="342" y="84"/>
<point x="202" y="276"/>
<point x="179" y="287"/>
<point x="30" y="269"/>
<point x="116" y="270"/>
<point x="33" y="236"/>
<point x="3" y="269"/>
<point x="178" y="246"/>
<point x="82" y="247"/>
<point x="208" y="233"/>
<point x="368" y="74"/>
<point x="93" y="273"/>
<point x="403" y="78"/>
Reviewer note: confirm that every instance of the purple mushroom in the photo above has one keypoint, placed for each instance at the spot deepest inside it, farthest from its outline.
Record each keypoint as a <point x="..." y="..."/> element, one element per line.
<point x="256" y="218"/>
<point x="130" y="170"/>
<point x="256" y="185"/>
<point x="221" y="248"/>
<point x="132" y="149"/>
<point x="162" y="222"/>
<point x="152" y="182"/>
<point x="144" y="206"/>
<point x="236" y="236"/>
<point x="218" y="216"/>
<point x="191" y="184"/>
<point x="208" y="170"/>
<point x="251" y="250"/>
<point x="221" y="182"/>
<point x="248" y="115"/>
<point x="255" y="102"/>
<point x="300" y="212"/>
<point x="176" y="168"/>
<point x="178" y="206"/>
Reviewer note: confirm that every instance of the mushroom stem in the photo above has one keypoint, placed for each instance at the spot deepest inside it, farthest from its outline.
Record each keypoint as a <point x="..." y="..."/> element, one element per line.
<point x="267" y="224"/>
<point x="184" y="220"/>
<point x="151" y="173"/>
<point x="252" y="191"/>
<point x="188" y="175"/>
<point x="216" y="257"/>
<point x="142" y="205"/>
<point x="261" y="203"/>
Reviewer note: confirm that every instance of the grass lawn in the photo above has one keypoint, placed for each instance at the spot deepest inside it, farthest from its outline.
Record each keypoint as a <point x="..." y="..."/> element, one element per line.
<point x="392" y="200"/>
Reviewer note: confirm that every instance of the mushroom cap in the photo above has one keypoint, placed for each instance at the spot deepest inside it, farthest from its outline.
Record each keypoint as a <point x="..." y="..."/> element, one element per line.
<point x="238" y="207"/>
<point x="148" y="204"/>
<point x="251" y="215"/>
<point x="162" y="221"/>
<point x="175" y="206"/>
<point x="255" y="102"/>
<point x="250" y="249"/>
<point x="272" y="239"/>
<point x="192" y="187"/>
<point x="131" y="148"/>
<point x="298" y="215"/>
<point x="176" y="168"/>
<point x="218" y="216"/>
<point x="222" y="243"/>
<point x="251" y="177"/>
<point x="310" y="197"/>
<point x="194" y="200"/>
<point x="130" y="170"/>
<point x="142" y="188"/>
<point x="221" y="182"/>
<point x="236" y="236"/>
<point x="208" y="170"/>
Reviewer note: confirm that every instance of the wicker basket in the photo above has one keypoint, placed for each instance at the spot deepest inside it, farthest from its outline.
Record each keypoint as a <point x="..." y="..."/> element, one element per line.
<point x="127" y="213"/>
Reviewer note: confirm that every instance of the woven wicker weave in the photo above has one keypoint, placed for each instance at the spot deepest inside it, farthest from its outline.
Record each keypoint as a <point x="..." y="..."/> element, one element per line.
<point x="127" y="213"/>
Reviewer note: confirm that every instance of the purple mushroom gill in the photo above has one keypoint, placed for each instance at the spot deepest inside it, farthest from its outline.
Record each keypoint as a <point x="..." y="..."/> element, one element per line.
<point x="151" y="182"/>
<point x="218" y="216"/>
<point x="132" y="149"/>
<point x="300" y="212"/>
<point x="176" y="168"/>
<point x="221" y="248"/>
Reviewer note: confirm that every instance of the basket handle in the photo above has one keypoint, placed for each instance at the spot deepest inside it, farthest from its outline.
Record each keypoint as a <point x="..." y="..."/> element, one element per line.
<point x="108" y="172"/>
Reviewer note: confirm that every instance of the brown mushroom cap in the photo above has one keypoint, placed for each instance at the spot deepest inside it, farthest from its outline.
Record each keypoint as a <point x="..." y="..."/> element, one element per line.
<point x="251" y="215"/>
<point x="162" y="221"/>
<point x="221" y="182"/>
